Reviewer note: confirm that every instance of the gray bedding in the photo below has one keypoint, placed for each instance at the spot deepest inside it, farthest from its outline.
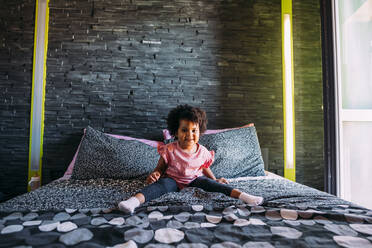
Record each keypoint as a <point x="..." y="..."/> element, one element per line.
<point x="83" y="213"/>
<point x="106" y="193"/>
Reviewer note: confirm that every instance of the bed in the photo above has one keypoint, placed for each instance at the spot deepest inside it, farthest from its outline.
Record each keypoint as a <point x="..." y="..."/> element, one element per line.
<point x="83" y="213"/>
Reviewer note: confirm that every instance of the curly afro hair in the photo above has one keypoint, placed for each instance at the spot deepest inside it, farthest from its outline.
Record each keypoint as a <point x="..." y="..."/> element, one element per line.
<point x="186" y="112"/>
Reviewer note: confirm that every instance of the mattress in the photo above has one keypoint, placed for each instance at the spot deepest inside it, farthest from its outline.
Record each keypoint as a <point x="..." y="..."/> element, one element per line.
<point x="83" y="213"/>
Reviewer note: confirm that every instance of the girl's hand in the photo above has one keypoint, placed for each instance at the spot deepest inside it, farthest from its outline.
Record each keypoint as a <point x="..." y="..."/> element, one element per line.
<point x="222" y="180"/>
<point x="153" y="177"/>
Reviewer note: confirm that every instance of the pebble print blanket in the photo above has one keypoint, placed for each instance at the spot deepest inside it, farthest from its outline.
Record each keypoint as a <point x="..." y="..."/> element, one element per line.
<point x="82" y="213"/>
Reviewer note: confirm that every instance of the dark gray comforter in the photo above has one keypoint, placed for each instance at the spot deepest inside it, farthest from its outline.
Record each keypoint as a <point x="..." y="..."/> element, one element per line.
<point x="83" y="213"/>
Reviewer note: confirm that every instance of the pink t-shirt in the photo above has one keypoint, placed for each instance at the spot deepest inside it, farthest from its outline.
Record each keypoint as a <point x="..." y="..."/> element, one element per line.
<point x="184" y="167"/>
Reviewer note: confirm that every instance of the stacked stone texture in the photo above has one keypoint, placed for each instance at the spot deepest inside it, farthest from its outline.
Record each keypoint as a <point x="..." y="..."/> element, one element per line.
<point x="308" y="93"/>
<point x="120" y="66"/>
<point x="16" y="51"/>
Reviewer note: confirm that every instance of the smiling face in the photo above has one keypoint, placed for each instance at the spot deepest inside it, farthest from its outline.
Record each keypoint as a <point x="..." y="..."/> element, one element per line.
<point x="188" y="134"/>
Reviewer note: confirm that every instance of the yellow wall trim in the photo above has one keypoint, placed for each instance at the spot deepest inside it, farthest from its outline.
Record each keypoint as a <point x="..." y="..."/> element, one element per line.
<point x="38" y="89"/>
<point x="288" y="91"/>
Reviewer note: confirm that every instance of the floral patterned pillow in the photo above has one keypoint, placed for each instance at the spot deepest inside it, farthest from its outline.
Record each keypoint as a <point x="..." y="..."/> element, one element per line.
<point x="103" y="156"/>
<point x="237" y="153"/>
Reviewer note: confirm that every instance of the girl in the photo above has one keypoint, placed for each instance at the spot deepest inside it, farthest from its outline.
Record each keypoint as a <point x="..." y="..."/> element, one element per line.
<point x="184" y="163"/>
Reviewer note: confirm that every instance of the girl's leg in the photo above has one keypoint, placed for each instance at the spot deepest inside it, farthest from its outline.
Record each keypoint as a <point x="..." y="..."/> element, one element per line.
<point x="252" y="200"/>
<point x="210" y="185"/>
<point x="162" y="186"/>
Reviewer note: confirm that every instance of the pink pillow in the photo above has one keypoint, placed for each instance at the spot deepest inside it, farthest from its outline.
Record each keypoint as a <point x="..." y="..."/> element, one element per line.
<point x="167" y="135"/>
<point x="152" y="143"/>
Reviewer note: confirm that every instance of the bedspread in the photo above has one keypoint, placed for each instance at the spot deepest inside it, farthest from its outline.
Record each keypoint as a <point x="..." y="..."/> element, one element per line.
<point x="83" y="213"/>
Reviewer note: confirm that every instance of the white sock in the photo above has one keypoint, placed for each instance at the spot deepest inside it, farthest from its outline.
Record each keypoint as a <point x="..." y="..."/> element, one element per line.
<point x="251" y="199"/>
<point x="129" y="205"/>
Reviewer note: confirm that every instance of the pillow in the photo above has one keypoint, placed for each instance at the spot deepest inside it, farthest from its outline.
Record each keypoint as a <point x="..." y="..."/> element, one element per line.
<point x="168" y="136"/>
<point x="70" y="168"/>
<point x="103" y="156"/>
<point x="237" y="153"/>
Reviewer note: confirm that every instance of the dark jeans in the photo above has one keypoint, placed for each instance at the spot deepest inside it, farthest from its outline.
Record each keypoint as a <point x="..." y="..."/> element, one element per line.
<point x="166" y="185"/>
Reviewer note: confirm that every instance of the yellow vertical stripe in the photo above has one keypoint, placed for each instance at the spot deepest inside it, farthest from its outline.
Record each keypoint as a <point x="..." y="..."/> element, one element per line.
<point x="44" y="84"/>
<point x="289" y="168"/>
<point x="32" y="173"/>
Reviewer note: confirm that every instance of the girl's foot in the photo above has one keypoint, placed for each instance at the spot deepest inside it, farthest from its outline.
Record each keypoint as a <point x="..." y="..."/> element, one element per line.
<point x="251" y="200"/>
<point x="129" y="205"/>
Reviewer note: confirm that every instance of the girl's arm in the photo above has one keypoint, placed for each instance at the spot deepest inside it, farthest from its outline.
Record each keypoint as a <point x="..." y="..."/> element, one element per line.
<point x="162" y="166"/>
<point x="208" y="173"/>
<point x="158" y="171"/>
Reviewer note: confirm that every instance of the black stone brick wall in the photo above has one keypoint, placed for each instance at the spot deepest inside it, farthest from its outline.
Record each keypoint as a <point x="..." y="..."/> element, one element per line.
<point x="120" y="66"/>
<point x="308" y="93"/>
<point x="16" y="51"/>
